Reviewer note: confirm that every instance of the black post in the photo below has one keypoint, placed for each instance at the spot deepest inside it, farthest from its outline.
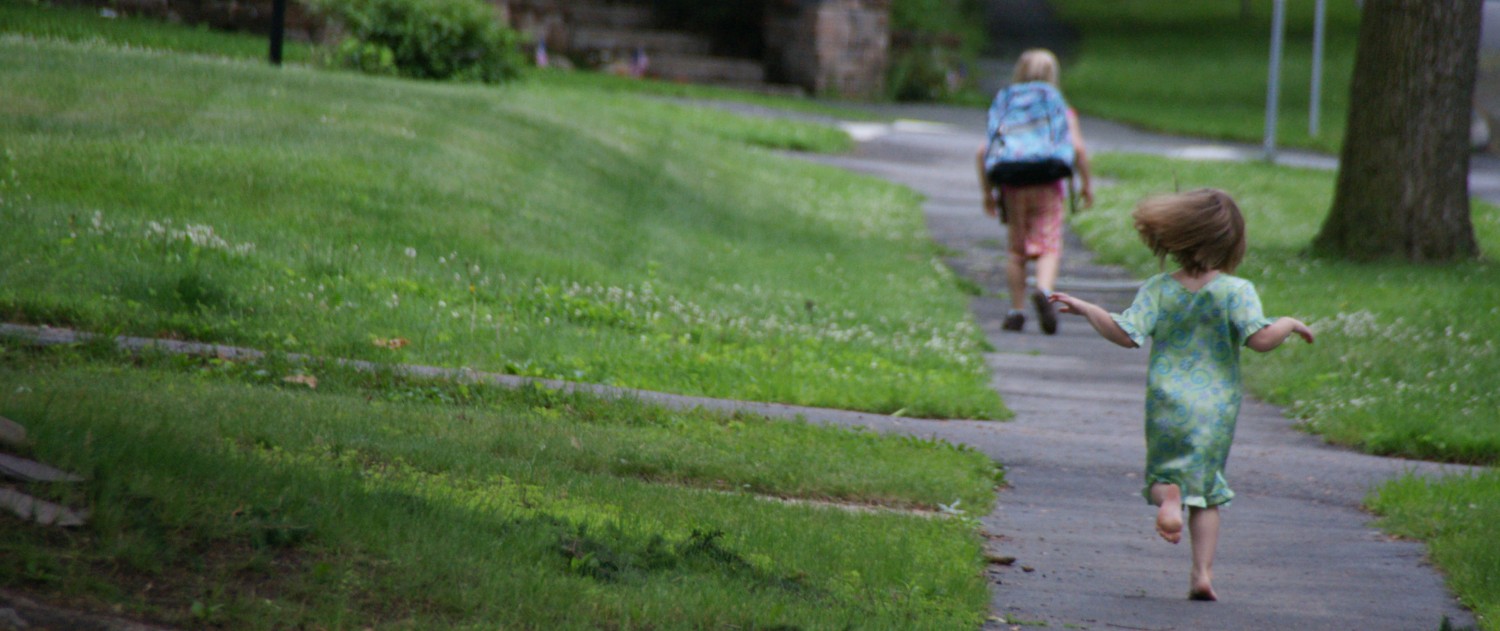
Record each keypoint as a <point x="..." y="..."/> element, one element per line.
<point x="278" y="29"/>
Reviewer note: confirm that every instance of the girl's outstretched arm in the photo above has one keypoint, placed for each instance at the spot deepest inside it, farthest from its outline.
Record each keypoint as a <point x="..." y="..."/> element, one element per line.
<point x="1097" y="316"/>
<point x="1273" y="334"/>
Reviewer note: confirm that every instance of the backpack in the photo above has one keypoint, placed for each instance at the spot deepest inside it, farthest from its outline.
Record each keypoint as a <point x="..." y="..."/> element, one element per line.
<point x="1029" y="141"/>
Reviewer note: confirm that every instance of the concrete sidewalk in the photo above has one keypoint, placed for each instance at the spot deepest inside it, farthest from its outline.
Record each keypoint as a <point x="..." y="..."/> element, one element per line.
<point x="1297" y="551"/>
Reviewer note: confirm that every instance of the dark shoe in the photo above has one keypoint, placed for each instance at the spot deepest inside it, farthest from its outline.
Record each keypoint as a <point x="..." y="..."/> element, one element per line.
<point x="1014" y="321"/>
<point x="1046" y="312"/>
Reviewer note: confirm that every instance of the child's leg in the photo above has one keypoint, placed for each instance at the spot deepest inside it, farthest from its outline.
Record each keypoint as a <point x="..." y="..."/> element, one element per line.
<point x="1168" y="500"/>
<point x="1047" y="266"/>
<point x="1015" y="279"/>
<point x="1203" y="525"/>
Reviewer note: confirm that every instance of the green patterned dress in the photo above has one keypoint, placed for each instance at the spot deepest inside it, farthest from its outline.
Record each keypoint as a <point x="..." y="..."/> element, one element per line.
<point x="1193" y="388"/>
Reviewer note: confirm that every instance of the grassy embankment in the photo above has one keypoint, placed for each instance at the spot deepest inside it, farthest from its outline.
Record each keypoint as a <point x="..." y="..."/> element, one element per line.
<point x="534" y="229"/>
<point x="541" y="229"/>
<point x="1197" y="69"/>
<point x="1405" y="361"/>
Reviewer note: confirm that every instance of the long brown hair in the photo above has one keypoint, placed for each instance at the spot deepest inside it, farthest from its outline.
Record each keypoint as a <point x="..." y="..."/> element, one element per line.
<point x="1202" y="230"/>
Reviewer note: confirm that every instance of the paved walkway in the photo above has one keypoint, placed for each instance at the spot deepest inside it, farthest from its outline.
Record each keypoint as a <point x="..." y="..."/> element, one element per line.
<point x="1296" y="552"/>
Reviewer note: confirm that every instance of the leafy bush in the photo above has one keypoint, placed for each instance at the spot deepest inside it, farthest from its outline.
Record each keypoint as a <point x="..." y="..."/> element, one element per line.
<point x="425" y="39"/>
<point x="931" y="40"/>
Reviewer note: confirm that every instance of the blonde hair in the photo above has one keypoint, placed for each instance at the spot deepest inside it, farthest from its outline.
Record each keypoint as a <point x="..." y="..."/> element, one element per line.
<point x="1037" y="64"/>
<point x="1202" y="230"/>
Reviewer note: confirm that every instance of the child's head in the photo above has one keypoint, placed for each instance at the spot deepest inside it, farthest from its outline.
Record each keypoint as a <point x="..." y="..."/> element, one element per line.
<point x="1202" y="230"/>
<point x="1037" y="64"/>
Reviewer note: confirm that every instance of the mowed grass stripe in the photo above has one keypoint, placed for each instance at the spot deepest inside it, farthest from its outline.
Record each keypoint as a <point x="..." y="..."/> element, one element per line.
<point x="532" y="229"/>
<point x="347" y="507"/>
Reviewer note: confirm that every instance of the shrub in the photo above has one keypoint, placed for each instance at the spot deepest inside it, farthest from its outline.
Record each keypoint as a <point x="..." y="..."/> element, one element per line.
<point x="425" y="39"/>
<point x="931" y="42"/>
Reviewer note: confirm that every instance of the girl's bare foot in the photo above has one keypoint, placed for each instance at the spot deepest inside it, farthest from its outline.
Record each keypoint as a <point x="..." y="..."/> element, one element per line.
<point x="1169" y="511"/>
<point x="1169" y="522"/>
<point x="1202" y="588"/>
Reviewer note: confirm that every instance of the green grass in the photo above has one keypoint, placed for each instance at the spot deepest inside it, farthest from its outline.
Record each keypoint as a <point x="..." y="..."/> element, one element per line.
<point x="535" y="229"/>
<point x="604" y="82"/>
<point x="1197" y="69"/>
<point x="1405" y="359"/>
<point x="1459" y="518"/>
<point x="79" y="24"/>
<point x="248" y="502"/>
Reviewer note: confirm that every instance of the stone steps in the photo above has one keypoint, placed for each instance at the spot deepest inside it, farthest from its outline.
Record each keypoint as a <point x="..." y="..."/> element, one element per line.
<point x="627" y="40"/>
<point x="706" y="69"/>
<point x="612" y="15"/>
<point x="613" y="31"/>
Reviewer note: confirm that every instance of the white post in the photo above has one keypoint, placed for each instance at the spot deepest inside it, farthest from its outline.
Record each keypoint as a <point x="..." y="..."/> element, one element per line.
<point x="1273" y="91"/>
<point x="1315" y="101"/>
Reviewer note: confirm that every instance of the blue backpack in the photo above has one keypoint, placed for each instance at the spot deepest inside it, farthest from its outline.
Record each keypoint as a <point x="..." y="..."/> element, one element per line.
<point x="1029" y="142"/>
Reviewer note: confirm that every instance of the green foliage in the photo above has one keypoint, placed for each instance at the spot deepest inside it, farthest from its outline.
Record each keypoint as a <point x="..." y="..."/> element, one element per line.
<point x="931" y="40"/>
<point x="427" y="39"/>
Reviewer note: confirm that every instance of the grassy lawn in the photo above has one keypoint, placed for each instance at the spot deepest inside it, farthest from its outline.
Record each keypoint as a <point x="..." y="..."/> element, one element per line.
<point x="1459" y="518"/>
<point x="223" y="496"/>
<point x="537" y="229"/>
<point x="1196" y="68"/>
<point x="1406" y="356"/>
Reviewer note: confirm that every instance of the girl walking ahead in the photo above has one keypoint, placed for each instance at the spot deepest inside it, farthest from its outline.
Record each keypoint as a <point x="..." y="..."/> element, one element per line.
<point x="1197" y="317"/>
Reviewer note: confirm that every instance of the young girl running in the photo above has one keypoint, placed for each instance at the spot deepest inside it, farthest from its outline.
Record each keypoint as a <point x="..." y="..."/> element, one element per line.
<point x="1197" y="318"/>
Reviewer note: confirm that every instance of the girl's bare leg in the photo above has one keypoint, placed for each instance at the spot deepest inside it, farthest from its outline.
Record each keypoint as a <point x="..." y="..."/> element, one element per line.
<point x="1015" y="279"/>
<point x="1168" y="500"/>
<point x="1203" y="525"/>
<point x="1046" y="271"/>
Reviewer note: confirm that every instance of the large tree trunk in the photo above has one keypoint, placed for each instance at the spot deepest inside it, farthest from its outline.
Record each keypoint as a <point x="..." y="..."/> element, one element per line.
<point x="1403" y="187"/>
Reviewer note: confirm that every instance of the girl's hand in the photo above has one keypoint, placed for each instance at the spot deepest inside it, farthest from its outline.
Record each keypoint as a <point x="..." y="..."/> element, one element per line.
<point x="1302" y="331"/>
<point x="1069" y="304"/>
<point x="991" y="205"/>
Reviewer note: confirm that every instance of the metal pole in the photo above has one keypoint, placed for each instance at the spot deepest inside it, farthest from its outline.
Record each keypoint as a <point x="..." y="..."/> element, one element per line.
<point x="278" y="30"/>
<point x="1278" y="32"/>
<point x="1315" y="100"/>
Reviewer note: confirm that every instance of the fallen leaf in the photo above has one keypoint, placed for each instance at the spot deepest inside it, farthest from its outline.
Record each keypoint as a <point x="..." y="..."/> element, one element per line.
<point x="393" y="343"/>
<point x="307" y="380"/>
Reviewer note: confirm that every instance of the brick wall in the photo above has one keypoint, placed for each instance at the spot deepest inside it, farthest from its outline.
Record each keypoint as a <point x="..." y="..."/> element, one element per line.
<point x="836" y="47"/>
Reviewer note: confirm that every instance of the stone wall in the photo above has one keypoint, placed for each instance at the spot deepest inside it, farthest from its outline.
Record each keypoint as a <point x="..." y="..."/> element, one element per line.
<point x="833" y="47"/>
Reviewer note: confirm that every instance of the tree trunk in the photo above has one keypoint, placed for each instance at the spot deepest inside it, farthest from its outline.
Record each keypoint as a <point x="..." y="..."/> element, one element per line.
<point x="1403" y="187"/>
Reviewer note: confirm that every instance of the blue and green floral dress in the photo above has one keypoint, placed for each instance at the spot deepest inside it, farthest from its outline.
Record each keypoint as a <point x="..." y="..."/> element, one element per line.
<point x="1193" y="388"/>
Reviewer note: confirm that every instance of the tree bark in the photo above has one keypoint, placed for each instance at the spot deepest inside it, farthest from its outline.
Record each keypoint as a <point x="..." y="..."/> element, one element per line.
<point x="1403" y="188"/>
